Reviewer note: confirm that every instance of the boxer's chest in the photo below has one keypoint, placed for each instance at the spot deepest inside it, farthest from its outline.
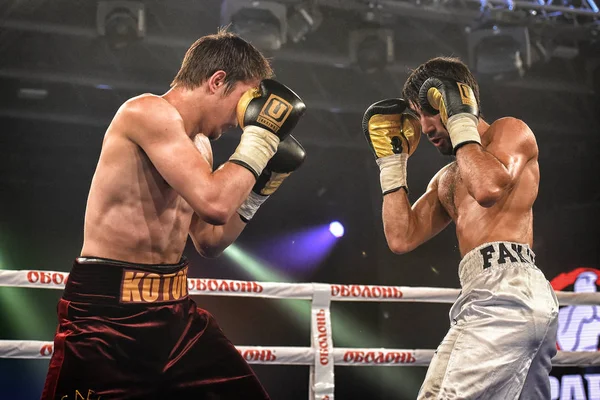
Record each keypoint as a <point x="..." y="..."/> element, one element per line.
<point x="451" y="190"/>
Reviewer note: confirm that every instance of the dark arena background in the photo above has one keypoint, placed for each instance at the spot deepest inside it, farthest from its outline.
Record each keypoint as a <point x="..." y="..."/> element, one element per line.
<point x="67" y="66"/>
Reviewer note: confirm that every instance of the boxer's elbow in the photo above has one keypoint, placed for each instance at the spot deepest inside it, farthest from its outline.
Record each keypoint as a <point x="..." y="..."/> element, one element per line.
<point x="399" y="239"/>
<point x="208" y="245"/>
<point x="487" y="198"/>
<point x="210" y="251"/>
<point x="399" y="245"/>
<point x="210" y="206"/>
<point x="491" y="193"/>
<point x="215" y="213"/>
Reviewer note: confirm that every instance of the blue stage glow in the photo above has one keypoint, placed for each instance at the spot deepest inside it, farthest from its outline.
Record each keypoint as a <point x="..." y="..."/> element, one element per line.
<point x="299" y="251"/>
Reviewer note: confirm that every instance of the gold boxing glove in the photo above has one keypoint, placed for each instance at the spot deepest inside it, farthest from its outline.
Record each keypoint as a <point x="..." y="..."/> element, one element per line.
<point x="393" y="132"/>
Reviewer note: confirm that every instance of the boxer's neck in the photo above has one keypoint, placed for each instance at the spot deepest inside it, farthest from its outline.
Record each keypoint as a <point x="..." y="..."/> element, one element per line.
<point x="191" y="105"/>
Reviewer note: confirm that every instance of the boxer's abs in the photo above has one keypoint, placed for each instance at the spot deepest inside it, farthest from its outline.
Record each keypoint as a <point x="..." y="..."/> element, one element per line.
<point x="133" y="215"/>
<point x="511" y="219"/>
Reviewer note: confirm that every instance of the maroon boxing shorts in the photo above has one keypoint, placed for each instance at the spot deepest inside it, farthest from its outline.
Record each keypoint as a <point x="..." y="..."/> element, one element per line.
<point x="130" y="331"/>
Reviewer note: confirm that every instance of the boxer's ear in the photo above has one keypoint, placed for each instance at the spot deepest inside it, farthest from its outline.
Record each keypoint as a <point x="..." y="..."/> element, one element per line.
<point x="216" y="81"/>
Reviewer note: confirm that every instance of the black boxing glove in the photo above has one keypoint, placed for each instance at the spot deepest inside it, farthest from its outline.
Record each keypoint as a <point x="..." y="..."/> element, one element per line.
<point x="267" y="115"/>
<point x="457" y="106"/>
<point x="289" y="157"/>
<point x="272" y="106"/>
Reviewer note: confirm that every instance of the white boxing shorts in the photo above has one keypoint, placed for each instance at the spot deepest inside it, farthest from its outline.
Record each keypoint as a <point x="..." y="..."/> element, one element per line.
<point x="502" y="333"/>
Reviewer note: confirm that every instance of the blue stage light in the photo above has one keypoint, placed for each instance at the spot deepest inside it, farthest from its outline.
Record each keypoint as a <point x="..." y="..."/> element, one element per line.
<point x="336" y="229"/>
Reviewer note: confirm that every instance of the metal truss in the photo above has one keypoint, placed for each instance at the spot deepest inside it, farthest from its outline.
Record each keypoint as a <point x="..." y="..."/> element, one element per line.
<point x="568" y="16"/>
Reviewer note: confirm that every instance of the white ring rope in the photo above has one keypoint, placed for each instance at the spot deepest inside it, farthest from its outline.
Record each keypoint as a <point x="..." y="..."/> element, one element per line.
<point x="283" y="290"/>
<point x="321" y="356"/>
<point x="278" y="355"/>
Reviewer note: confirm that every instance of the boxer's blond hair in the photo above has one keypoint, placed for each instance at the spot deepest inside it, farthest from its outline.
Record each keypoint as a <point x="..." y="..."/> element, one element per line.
<point x="224" y="51"/>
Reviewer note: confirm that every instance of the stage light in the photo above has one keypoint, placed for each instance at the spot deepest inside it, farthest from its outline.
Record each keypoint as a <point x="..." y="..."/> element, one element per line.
<point x="121" y="22"/>
<point x="303" y="19"/>
<point x="500" y="52"/>
<point x="371" y="49"/>
<point x="336" y="229"/>
<point x="263" y="23"/>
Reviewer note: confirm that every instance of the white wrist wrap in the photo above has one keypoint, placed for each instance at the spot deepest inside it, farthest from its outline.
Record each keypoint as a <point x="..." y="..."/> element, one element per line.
<point x="257" y="146"/>
<point x="393" y="172"/>
<point x="250" y="206"/>
<point x="463" y="129"/>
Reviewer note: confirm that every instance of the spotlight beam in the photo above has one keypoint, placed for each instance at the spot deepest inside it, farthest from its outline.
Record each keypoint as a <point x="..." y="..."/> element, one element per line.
<point x="347" y="332"/>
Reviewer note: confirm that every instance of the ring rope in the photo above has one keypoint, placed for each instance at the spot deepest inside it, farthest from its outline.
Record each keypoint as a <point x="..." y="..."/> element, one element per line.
<point x="281" y="355"/>
<point x="284" y="290"/>
<point x="322" y="355"/>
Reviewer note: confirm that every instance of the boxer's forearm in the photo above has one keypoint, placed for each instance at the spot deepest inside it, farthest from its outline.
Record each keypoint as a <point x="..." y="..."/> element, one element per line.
<point x="407" y="227"/>
<point x="485" y="177"/>
<point x="218" y="196"/>
<point x="211" y="240"/>
<point x="398" y="221"/>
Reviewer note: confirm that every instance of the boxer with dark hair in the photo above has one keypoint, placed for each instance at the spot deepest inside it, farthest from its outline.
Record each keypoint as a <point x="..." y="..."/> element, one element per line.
<point x="503" y="325"/>
<point x="127" y="327"/>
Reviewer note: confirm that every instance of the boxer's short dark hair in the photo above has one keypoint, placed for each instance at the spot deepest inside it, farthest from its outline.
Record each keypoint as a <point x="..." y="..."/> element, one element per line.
<point x="439" y="67"/>
<point x="225" y="51"/>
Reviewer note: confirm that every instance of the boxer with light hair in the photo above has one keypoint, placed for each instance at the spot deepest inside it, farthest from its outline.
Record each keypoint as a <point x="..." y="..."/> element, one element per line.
<point x="503" y="325"/>
<point x="127" y="327"/>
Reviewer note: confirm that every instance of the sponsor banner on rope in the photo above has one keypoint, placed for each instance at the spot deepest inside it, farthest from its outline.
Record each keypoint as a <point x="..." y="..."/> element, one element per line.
<point x="281" y="355"/>
<point x="277" y="355"/>
<point x="366" y="291"/>
<point x="47" y="349"/>
<point x="322" y="336"/>
<point x="322" y="372"/>
<point x="258" y="356"/>
<point x="379" y="357"/>
<point x="47" y="278"/>
<point x="202" y="286"/>
<point x="224" y="287"/>
<point x="263" y="355"/>
<point x="392" y="293"/>
<point x="199" y="285"/>
<point x="250" y="288"/>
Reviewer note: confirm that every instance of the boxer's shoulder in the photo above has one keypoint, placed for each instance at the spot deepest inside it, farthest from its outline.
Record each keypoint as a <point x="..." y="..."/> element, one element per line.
<point x="509" y="137"/>
<point x="445" y="171"/>
<point x="147" y="109"/>
<point x="508" y="130"/>
<point x="142" y="115"/>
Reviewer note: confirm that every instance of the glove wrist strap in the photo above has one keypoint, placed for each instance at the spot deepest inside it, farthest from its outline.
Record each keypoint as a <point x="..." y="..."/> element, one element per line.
<point x="463" y="129"/>
<point x="392" y="174"/>
<point x="251" y="205"/>
<point x="257" y="146"/>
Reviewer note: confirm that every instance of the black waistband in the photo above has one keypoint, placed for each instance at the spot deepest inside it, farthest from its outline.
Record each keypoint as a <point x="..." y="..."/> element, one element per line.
<point x="105" y="281"/>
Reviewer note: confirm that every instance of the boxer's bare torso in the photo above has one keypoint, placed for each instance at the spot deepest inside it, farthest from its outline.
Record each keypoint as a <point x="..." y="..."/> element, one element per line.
<point x="509" y="219"/>
<point x="132" y="213"/>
